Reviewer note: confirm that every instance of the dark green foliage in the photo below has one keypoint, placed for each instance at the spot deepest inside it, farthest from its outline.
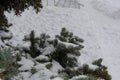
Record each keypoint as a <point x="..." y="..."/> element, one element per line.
<point x="99" y="64"/>
<point x="64" y="76"/>
<point x="18" y="6"/>
<point x="86" y="69"/>
<point x="33" y="46"/>
<point x="52" y="77"/>
<point x="67" y="36"/>
<point x="67" y="48"/>
<point x="42" y="60"/>
<point x="101" y="71"/>
<point x="42" y="40"/>
<point x="8" y="64"/>
<point x="49" y="65"/>
<point x="71" y="62"/>
<point x="71" y="72"/>
<point x="103" y="74"/>
<point x="33" y="70"/>
<point x="59" y="56"/>
<point x="37" y="43"/>
<point x="3" y="22"/>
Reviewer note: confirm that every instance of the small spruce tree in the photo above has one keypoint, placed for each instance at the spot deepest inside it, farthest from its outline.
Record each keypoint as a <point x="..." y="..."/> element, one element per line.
<point x="67" y="49"/>
<point x="36" y="44"/>
<point x="33" y="49"/>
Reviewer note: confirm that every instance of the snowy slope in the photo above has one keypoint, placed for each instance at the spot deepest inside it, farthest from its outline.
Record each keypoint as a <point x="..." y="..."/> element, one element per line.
<point x="97" y="23"/>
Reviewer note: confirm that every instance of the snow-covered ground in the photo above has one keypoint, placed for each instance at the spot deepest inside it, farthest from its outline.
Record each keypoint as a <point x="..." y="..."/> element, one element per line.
<point x="97" y="23"/>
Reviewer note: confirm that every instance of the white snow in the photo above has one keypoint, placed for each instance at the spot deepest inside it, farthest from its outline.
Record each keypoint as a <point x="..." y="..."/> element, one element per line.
<point x="26" y="64"/>
<point x="43" y="74"/>
<point x="24" y="75"/>
<point x="107" y="7"/>
<point x="4" y="34"/>
<point x="68" y="44"/>
<point x="41" y="57"/>
<point x="93" y="67"/>
<point x="56" y="67"/>
<point x="48" y="50"/>
<point x="57" y="78"/>
<point x="97" y="23"/>
<point x="39" y="67"/>
<point x="77" y="77"/>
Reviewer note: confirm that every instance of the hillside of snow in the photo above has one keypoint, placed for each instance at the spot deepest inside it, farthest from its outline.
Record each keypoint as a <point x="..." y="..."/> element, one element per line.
<point x="97" y="22"/>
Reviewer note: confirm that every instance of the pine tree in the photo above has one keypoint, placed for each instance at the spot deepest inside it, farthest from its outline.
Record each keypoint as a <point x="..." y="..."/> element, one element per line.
<point x="8" y="63"/>
<point x="18" y="6"/>
<point x="67" y="48"/>
<point x="36" y="44"/>
<point x="33" y="50"/>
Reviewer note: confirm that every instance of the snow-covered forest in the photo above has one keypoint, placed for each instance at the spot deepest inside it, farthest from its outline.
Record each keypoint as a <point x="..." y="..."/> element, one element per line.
<point x="59" y="40"/>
